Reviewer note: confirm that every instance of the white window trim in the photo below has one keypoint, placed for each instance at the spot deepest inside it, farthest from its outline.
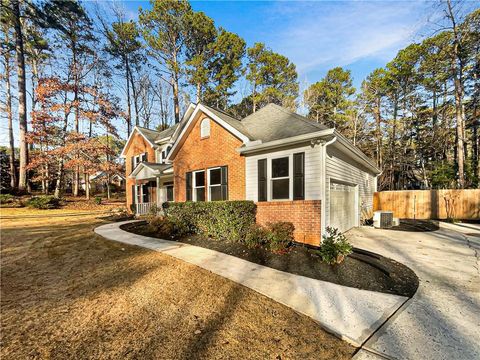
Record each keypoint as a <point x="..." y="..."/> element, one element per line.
<point x="290" y="177"/>
<point x="209" y="195"/>
<point x="194" y="185"/>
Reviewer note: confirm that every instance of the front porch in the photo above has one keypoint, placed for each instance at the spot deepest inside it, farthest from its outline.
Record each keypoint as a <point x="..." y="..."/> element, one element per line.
<point x="152" y="186"/>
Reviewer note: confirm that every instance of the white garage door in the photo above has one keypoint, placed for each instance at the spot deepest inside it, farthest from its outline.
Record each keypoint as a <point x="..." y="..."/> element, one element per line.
<point x="342" y="206"/>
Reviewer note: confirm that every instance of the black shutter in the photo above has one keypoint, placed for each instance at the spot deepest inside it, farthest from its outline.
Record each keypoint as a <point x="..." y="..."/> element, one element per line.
<point x="133" y="194"/>
<point x="262" y="180"/>
<point x="188" y="183"/>
<point x="146" y="157"/>
<point x="132" y="160"/>
<point x="224" y="182"/>
<point x="299" y="176"/>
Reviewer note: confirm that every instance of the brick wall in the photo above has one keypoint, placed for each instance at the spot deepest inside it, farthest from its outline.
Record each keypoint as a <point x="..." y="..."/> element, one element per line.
<point x="304" y="214"/>
<point x="138" y="145"/>
<point x="219" y="149"/>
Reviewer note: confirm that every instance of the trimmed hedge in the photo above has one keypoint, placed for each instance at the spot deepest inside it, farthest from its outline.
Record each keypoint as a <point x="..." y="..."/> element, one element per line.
<point x="221" y="220"/>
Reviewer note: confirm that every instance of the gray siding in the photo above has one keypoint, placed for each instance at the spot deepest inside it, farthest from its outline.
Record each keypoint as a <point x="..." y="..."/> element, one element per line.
<point x="341" y="168"/>
<point x="313" y="169"/>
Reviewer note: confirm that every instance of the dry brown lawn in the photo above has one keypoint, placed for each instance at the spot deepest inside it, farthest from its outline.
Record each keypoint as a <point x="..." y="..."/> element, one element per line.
<point x="68" y="293"/>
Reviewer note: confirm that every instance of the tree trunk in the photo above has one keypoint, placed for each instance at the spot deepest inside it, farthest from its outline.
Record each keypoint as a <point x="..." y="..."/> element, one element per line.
<point x="22" y="96"/>
<point x="176" y="103"/>
<point x="76" y="80"/>
<point x="135" y="99"/>
<point x="129" y="106"/>
<point x="13" y="174"/>
<point x="457" y="70"/>
<point x="378" y="131"/>
<point x="87" y="185"/>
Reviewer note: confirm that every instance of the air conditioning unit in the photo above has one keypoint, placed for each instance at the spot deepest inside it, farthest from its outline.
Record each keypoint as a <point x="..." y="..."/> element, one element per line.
<point x="383" y="219"/>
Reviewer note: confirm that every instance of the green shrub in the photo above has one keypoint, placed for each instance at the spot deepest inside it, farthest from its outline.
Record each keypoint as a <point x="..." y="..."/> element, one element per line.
<point x="220" y="220"/>
<point x="98" y="200"/>
<point x="6" y="199"/>
<point x="280" y="236"/>
<point x="256" y="236"/>
<point x="43" y="202"/>
<point x="334" y="247"/>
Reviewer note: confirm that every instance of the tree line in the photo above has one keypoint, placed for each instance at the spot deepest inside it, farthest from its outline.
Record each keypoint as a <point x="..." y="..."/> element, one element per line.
<point x="85" y="78"/>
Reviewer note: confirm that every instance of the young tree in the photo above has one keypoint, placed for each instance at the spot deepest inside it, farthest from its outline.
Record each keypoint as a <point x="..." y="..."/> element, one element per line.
<point x="273" y="78"/>
<point x="329" y="99"/>
<point x="225" y="68"/>
<point x="75" y="28"/>
<point x="373" y="91"/>
<point x="164" y="29"/>
<point x="201" y="34"/>
<point x="124" y="46"/>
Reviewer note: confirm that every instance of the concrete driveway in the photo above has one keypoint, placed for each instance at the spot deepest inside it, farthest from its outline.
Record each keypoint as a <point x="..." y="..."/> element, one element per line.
<point x="442" y="320"/>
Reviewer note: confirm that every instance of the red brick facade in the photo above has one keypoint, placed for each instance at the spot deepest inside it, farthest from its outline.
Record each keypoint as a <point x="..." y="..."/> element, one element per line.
<point x="138" y="145"/>
<point x="304" y="214"/>
<point x="218" y="149"/>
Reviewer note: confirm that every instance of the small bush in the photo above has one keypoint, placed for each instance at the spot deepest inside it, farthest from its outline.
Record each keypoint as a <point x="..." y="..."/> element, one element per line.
<point x="256" y="236"/>
<point x="43" y="202"/>
<point x="161" y="226"/>
<point x="280" y="236"/>
<point x="220" y="220"/>
<point x="98" y="200"/>
<point x="6" y="199"/>
<point x="335" y="247"/>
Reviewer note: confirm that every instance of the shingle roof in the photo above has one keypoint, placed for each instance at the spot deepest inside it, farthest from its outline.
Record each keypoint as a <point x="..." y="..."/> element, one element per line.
<point x="153" y="135"/>
<point x="235" y="123"/>
<point x="274" y="122"/>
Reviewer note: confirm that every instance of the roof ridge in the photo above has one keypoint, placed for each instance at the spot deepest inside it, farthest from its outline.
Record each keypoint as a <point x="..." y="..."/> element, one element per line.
<point x="220" y="110"/>
<point x="300" y="117"/>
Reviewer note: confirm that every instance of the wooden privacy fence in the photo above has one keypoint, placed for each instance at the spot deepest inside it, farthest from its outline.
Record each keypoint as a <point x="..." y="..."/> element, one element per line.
<point x="430" y="204"/>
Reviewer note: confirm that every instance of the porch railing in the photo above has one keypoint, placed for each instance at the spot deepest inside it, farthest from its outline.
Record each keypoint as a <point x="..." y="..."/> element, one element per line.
<point x="143" y="208"/>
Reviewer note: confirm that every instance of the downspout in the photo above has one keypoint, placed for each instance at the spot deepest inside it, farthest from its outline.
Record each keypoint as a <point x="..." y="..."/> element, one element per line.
<point x="323" y="217"/>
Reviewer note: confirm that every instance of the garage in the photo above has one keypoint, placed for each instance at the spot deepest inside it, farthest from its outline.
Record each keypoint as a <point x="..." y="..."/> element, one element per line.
<point x="343" y="204"/>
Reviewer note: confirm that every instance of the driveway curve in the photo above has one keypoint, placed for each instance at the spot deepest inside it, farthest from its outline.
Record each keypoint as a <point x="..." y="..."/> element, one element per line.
<point x="442" y="320"/>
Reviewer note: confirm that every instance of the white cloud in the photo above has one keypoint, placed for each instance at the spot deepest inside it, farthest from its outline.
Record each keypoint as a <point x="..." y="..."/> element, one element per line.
<point x="318" y="34"/>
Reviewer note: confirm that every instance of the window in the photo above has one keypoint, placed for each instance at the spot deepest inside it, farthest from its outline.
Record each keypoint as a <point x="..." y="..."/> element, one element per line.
<point x="280" y="179"/>
<point x="205" y="128"/>
<point x="199" y="186"/>
<point x="169" y="191"/>
<point x="217" y="184"/>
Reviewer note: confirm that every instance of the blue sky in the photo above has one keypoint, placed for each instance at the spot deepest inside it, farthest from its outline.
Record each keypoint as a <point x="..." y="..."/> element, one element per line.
<point x="319" y="35"/>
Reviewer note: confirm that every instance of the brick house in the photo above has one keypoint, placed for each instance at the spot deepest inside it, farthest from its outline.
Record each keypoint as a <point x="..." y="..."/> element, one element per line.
<point x="292" y="168"/>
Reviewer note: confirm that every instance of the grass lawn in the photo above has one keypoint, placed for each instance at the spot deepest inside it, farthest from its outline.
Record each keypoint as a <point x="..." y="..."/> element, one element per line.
<point x="68" y="293"/>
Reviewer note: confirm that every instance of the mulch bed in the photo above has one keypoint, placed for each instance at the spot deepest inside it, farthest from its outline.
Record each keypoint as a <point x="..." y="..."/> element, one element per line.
<point x="362" y="270"/>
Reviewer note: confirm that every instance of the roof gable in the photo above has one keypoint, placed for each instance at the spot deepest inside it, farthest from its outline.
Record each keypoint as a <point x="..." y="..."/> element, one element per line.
<point x="229" y="123"/>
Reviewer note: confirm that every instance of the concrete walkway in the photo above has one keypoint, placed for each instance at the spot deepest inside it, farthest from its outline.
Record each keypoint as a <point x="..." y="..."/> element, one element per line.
<point x="351" y="314"/>
<point x="442" y="320"/>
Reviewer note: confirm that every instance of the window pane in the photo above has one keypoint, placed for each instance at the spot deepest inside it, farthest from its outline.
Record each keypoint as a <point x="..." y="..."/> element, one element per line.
<point x="200" y="194"/>
<point x="215" y="177"/>
<point x="200" y="178"/>
<point x="280" y="189"/>
<point x="170" y="193"/>
<point x="215" y="193"/>
<point x="280" y="167"/>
